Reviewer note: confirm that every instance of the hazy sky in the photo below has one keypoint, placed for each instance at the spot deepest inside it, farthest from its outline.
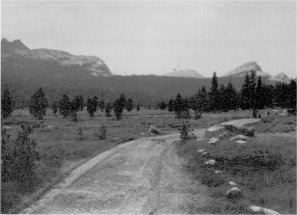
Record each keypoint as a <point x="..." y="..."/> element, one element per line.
<point x="155" y="37"/>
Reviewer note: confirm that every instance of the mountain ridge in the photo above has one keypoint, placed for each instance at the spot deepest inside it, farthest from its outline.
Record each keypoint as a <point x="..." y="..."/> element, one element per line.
<point x="185" y="73"/>
<point x="92" y="64"/>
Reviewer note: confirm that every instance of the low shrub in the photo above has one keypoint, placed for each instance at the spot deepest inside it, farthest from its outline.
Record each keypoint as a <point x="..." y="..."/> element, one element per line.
<point x="101" y="133"/>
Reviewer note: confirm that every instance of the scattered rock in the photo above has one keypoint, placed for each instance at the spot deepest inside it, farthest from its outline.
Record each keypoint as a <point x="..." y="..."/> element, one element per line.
<point x="239" y="137"/>
<point x="200" y="150"/>
<point x="260" y="210"/>
<point x="218" y="171"/>
<point x="204" y="153"/>
<point x="213" y="140"/>
<point x="223" y="135"/>
<point x="50" y="126"/>
<point x="232" y="183"/>
<point x="234" y="193"/>
<point x="241" y="141"/>
<point x="210" y="162"/>
<point x="6" y="127"/>
<point x="153" y="130"/>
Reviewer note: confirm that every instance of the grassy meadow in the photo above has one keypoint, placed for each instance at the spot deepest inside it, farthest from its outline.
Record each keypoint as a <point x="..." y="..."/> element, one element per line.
<point x="61" y="148"/>
<point x="264" y="168"/>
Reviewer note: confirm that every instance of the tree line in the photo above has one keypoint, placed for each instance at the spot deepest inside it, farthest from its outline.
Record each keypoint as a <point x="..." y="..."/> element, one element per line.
<point x="66" y="107"/>
<point x="253" y="95"/>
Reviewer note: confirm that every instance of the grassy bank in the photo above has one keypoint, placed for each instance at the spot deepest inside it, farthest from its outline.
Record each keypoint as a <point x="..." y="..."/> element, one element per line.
<point x="264" y="169"/>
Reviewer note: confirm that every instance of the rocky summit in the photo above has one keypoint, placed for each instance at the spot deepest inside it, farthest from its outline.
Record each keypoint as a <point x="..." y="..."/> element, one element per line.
<point x="16" y="50"/>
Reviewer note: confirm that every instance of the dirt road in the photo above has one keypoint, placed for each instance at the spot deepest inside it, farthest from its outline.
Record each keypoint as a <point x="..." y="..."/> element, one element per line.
<point x="141" y="176"/>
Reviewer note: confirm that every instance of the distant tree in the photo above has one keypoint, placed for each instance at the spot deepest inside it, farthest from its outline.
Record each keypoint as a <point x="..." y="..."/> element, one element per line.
<point x="55" y="107"/>
<point x="292" y="96"/>
<point x="199" y="103"/>
<point x="92" y="105"/>
<point x="7" y="104"/>
<point x="214" y="94"/>
<point x="162" y="105"/>
<point x="170" y="105"/>
<point x="101" y="105"/>
<point x="38" y="104"/>
<point x="178" y="106"/>
<point x="108" y="108"/>
<point x="77" y="103"/>
<point x="245" y="93"/>
<point x="222" y="99"/>
<point x="64" y="106"/>
<point x="232" y="98"/>
<point x="119" y="106"/>
<point x="129" y="104"/>
<point x="259" y="94"/>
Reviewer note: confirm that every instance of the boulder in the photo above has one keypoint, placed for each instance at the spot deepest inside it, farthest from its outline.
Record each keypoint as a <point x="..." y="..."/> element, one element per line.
<point x="200" y="150"/>
<point x="50" y="126"/>
<point x="239" y="137"/>
<point x="153" y="130"/>
<point x="204" y="153"/>
<point x="241" y="142"/>
<point x="260" y="210"/>
<point x="218" y="171"/>
<point x="213" y="140"/>
<point x="234" y="193"/>
<point x="210" y="162"/>
<point x="232" y="183"/>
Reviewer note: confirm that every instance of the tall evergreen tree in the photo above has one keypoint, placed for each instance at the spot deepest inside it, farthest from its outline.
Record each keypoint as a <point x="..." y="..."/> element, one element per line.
<point x="259" y="94"/>
<point x="214" y="94"/>
<point x="178" y="106"/>
<point x="64" y="106"/>
<point x="232" y="98"/>
<point x="199" y="103"/>
<point x="55" y="107"/>
<point x="7" y="104"/>
<point x="108" y="108"/>
<point x="292" y="96"/>
<point x="170" y="105"/>
<point x="245" y="93"/>
<point x="92" y="104"/>
<point x="102" y="105"/>
<point x="38" y="104"/>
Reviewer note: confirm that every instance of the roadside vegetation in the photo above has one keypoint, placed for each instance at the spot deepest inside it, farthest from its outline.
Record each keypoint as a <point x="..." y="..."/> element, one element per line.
<point x="263" y="168"/>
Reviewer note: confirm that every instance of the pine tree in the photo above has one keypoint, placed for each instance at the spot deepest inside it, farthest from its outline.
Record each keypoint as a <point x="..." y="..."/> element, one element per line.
<point x="38" y="104"/>
<point x="232" y="98"/>
<point x="170" y="105"/>
<point x="199" y="103"/>
<point x="64" y="106"/>
<point x="7" y="104"/>
<point x="119" y="106"/>
<point x="129" y="104"/>
<point x="162" y="105"/>
<point x="108" y="108"/>
<point x="245" y="93"/>
<point x="55" y="107"/>
<point x="292" y="96"/>
<point x="178" y="106"/>
<point x="259" y="94"/>
<point x="214" y="94"/>
<point x="92" y="105"/>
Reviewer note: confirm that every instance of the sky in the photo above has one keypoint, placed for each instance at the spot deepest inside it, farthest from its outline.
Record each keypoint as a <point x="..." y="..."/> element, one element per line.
<point x="150" y="37"/>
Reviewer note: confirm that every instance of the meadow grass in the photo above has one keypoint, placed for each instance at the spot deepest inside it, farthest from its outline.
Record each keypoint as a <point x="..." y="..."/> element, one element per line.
<point x="264" y="169"/>
<point x="62" y="150"/>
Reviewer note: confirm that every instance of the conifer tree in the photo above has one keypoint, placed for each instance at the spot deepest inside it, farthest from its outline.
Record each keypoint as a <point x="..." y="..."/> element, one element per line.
<point x="178" y="106"/>
<point x="129" y="104"/>
<point x="101" y="105"/>
<point x="55" y="107"/>
<point x="119" y="106"/>
<point x="170" y="105"/>
<point x="108" y="108"/>
<point x="259" y="94"/>
<point x="38" y="104"/>
<point x="214" y="94"/>
<point x="92" y="104"/>
<point x="64" y="106"/>
<point x="7" y="104"/>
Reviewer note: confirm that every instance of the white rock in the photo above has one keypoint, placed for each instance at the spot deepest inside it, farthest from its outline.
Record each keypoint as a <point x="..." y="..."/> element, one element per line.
<point x="260" y="210"/>
<point x="234" y="192"/>
<point x="6" y="127"/>
<point x="154" y="130"/>
<point x="240" y="141"/>
<point x="213" y="140"/>
<point x="232" y="183"/>
<point x="218" y="171"/>
<point x="50" y="126"/>
<point x="210" y="162"/>
<point x="199" y="139"/>
<point x="223" y="134"/>
<point x="204" y="153"/>
<point x="142" y="133"/>
<point x="239" y="137"/>
<point x="200" y="150"/>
